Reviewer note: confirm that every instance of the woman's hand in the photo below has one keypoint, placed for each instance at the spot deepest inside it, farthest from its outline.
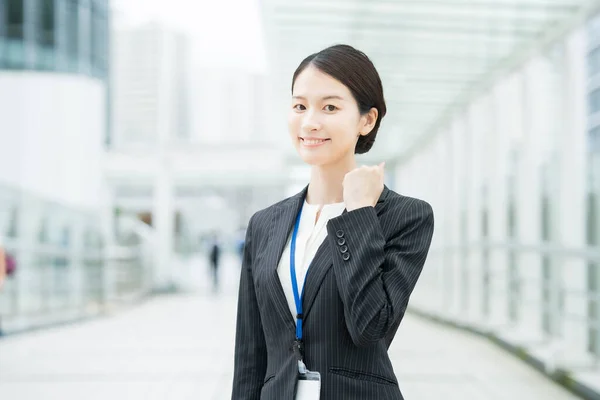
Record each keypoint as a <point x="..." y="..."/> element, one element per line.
<point x="363" y="186"/>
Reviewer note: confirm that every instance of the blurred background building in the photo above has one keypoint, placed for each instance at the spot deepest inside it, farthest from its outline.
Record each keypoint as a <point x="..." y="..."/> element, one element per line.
<point x="54" y="97"/>
<point x="151" y="81"/>
<point x="127" y="141"/>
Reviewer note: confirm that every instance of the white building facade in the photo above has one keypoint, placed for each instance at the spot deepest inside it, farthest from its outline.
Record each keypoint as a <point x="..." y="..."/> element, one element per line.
<point x="53" y="113"/>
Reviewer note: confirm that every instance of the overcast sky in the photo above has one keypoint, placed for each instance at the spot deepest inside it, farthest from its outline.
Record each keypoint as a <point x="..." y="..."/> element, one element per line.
<point x="224" y="32"/>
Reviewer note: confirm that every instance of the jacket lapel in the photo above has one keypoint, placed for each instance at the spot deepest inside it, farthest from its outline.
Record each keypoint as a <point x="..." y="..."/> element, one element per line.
<point x="316" y="273"/>
<point x="323" y="261"/>
<point x="282" y="224"/>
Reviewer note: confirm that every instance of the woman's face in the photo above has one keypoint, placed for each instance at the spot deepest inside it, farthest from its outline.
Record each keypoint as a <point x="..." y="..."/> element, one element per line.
<point x="324" y="120"/>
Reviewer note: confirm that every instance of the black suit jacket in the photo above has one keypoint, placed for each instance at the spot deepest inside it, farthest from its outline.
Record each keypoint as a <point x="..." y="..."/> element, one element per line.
<point x="356" y="292"/>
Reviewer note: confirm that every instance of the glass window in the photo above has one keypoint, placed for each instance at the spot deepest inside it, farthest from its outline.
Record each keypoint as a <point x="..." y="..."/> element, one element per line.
<point x="72" y="35"/>
<point x="98" y="39"/>
<point x="13" y="224"/>
<point x="43" y="234"/>
<point x="14" y="54"/>
<point x="594" y="29"/>
<point x="45" y="34"/>
<point x="14" y="19"/>
<point x="2" y="22"/>
<point x="46" y="23"/>
<point x="85" y="37"/>
<point x="594" y="62"/>
<point x="594" y="140"/>
<point x="594" y="101"/>
<point x="593" y="273"/>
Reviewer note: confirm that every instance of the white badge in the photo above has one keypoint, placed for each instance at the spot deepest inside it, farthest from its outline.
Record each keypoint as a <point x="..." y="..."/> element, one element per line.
<point x="308" y="390"/>
<point x="309" y="384"/>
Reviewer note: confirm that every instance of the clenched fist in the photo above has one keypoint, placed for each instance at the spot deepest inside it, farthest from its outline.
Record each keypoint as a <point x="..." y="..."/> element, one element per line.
<point x="363" y="186"/>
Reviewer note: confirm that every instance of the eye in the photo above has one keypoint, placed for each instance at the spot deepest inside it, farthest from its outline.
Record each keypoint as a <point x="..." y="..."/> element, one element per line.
<point x="330" y="107"/>
<point x="299" y="107"/>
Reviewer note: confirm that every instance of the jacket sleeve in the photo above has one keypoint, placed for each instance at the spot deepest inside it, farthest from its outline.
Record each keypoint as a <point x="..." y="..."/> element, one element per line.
<point x="376" y="276"/>
<point x="250" y="361"/>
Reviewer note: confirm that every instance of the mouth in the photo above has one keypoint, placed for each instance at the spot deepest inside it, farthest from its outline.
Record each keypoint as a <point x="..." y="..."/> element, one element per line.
<point x="313" y="142"/>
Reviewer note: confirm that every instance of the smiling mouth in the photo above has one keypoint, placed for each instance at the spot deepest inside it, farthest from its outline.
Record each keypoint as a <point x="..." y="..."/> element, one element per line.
<point x="313" y="142"/>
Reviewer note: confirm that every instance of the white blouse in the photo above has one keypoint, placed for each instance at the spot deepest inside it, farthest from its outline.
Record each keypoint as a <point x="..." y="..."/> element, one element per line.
<point x="310" y="237"/>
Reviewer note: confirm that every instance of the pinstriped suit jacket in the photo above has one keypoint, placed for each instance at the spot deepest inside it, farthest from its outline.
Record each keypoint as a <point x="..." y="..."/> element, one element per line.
<point x="356" y="292"/>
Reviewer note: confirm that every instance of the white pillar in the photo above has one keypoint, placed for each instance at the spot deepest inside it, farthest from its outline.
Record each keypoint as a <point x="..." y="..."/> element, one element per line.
<point x="431" y="191"/>
<point x="456" y="200"/>
<point x="445" y="219"/>
<point x="473" y="190"/>
<point x="537" y="126"/>
<point x="163" y="218"/>
<point x="163" y="214"/>
<point x="497" y="155"/>
<point x="571" y="194"/>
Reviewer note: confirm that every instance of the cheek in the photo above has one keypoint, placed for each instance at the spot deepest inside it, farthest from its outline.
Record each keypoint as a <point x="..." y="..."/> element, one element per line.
<point x="346" y="130"/>
<point x="293" y="123"/>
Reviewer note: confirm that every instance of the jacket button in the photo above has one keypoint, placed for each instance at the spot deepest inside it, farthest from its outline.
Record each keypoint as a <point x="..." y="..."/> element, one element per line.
<point x="341" y="241"/>
<point x="344" y="249"/>
<point x="346" y="256"/>
<point x="340" y="233"/>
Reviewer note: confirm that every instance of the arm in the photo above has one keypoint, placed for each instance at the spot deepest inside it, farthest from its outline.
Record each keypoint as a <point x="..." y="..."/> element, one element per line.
<point x="250" y="363"/>
<point x="376" y="281"/>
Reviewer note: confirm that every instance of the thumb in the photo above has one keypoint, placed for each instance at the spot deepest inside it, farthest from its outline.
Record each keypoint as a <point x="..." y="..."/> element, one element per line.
<point x="382" y="165"/>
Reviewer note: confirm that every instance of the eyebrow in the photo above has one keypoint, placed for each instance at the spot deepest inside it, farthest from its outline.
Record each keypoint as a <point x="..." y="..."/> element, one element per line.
<point x="324" y="98"/>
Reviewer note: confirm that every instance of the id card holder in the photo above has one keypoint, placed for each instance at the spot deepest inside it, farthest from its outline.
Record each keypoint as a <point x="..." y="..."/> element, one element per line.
<point x="309" y="384"/>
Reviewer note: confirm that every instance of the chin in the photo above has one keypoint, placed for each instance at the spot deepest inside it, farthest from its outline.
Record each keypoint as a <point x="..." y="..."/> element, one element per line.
<point x="315" y="160"/>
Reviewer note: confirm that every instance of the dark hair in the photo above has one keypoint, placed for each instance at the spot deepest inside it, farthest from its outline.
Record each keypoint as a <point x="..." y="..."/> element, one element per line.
<point x="355" y="70"/>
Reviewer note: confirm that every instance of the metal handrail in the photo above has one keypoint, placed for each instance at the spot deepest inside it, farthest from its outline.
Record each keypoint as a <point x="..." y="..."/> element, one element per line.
<point x="590" y="253"/>
<point x="78" y="277"/>
<point x="551" y="308"/>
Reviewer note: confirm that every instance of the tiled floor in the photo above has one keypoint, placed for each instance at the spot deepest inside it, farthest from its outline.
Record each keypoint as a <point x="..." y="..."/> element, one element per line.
<point x="181" y="348"/>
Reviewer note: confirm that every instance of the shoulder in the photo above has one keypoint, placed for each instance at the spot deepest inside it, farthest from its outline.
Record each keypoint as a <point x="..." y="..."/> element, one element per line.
<point x="262" y="219"/>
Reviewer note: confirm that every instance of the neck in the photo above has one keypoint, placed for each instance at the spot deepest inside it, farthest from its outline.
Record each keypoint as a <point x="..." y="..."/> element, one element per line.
<point x="326" y="182"/>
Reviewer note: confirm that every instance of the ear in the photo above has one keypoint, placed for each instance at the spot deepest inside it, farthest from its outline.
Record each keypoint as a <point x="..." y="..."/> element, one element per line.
<point x="368" y="121"/>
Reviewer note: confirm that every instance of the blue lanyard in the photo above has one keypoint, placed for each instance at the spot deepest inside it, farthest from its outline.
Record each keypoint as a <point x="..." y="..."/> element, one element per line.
<point x="297" y="297"/>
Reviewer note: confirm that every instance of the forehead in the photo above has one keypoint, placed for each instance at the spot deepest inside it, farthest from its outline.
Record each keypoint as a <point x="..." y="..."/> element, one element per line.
<point x="312" y="82"/>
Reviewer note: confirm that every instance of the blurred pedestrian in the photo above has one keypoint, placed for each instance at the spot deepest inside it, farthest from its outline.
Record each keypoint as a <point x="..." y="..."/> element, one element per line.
<point x="215" y="258"/>
<point x="240" y="237"/>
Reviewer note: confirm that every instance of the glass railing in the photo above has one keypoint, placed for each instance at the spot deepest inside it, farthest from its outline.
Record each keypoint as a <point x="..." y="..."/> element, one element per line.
<point x="556" y="290"/>
<point x="64" y="271"/>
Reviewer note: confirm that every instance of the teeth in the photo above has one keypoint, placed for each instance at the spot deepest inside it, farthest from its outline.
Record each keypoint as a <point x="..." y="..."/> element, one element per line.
<point x="313" y="141"/>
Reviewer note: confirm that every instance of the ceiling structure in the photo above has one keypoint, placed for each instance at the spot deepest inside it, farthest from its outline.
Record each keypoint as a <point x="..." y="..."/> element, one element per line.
<point x="432" y="55"/>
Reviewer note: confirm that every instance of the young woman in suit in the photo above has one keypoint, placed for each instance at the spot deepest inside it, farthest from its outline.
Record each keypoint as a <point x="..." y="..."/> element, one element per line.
<point x="327" y="273"/>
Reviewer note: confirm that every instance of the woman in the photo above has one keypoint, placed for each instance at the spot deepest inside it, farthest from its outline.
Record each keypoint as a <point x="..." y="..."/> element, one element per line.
<point x="327" y="273"/>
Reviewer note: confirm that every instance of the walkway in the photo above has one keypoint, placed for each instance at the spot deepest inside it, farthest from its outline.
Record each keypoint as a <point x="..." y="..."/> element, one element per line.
<point x="181" y="348"/>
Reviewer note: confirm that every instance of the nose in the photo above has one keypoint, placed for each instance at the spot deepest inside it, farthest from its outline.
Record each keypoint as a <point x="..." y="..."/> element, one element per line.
<point x="310" y="123"/>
